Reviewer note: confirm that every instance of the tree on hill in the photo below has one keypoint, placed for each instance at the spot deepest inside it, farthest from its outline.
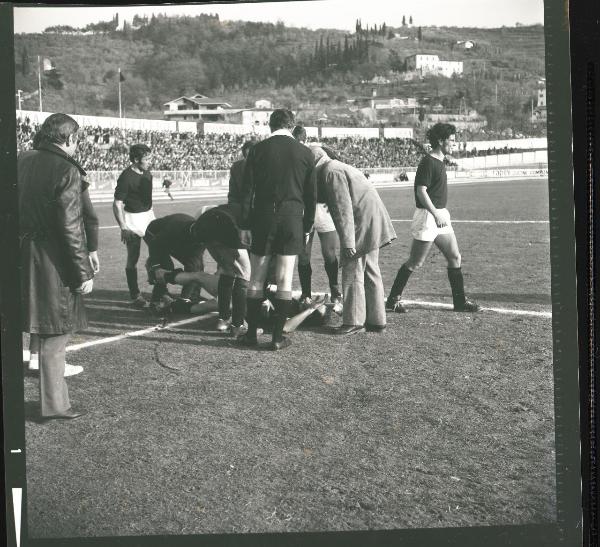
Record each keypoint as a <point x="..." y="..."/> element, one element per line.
<point x="410" y="20"/>
<point x="420" y="34"/>
<point x="404" y="20"/>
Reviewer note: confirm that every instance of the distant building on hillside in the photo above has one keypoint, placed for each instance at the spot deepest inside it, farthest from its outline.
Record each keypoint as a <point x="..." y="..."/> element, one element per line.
<point x="264" y="104"/>
<point x="465" y="44"/>
<point x="432" y="65"/>
<point x="198" y="108"/>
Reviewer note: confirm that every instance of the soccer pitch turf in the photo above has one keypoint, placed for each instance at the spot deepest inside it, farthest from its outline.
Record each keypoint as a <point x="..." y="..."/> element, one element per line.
<point x="445" y="419"/>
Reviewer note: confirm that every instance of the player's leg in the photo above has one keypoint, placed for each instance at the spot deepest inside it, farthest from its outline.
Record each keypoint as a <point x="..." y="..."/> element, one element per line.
<point x="374" y="293"/>
<point x="284" y="272"/>
<point x="225" y="288"/>
<point x="448" y="246"/>
<point x="259" y="266"/>
<point x="192" y="263"/>
<point x="353" y="286"/>
<point x="329" y="244"/>
<point x="418" y="253"/>
<point x="133" y="255"/>
<point x="241" y="273"/>
<point x="305" y="271"/>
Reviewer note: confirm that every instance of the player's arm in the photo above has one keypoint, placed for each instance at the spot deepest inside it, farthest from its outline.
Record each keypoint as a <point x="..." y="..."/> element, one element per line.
<point x="425" y="200"/>
<point x="119" y="208"/>
<point x="247" y="191"/>
<point x="339" y="203"/>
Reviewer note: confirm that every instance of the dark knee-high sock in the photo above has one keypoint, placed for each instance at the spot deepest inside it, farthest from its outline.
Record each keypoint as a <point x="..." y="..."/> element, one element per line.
<point x="400" y="282"/>
<point x="238" y="301"/>
<point x="224" y="291"/>
<point x="305" y="275"/>
<point x="282" y="303"/>
<point x="132" y="282"/>
<point x="332" y="270"/>
<point x="158" y="292"/>
<point x="457" y="285"/>
<point x="254" y="300"/>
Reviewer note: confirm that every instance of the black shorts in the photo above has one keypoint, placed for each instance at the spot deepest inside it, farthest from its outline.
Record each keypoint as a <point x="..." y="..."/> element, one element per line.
<point x="279" y="235"/>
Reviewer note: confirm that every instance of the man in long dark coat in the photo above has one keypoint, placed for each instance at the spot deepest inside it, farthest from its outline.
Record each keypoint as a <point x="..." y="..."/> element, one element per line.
<point x="54" y="255"/>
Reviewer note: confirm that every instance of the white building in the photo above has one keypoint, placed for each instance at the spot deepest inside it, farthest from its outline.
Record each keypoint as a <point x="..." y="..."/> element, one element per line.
<point x="198" y="108"/>
<point x="431" y="64"/>
<point x="263" y="103"/>
<point x="541" y="100"/>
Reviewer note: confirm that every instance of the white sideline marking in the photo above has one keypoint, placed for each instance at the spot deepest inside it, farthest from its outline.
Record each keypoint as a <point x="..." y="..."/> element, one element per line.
<point x="148" y="330"/>
<point x="453" y="221"/>
<point x="17" y="494"/>
<point x="438" y="305"/>
<point x="506" y="311"/>
<point x="484" y="221"/>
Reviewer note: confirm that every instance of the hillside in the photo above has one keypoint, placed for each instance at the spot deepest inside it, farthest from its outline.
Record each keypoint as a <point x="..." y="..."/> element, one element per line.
<point x="167" y="57"/>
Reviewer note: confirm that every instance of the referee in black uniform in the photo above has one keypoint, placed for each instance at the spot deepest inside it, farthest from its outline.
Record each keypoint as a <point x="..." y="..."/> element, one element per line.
<point x="279" y="196"/>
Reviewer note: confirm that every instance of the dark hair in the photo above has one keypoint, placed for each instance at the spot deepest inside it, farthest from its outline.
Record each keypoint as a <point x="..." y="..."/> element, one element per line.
<point x="56" y="129"/>
<point x="440" y="132"/>
<point x="138" y="151"/>
<point x="281" y="119"/>
<point x="299" y="133"/>
<point x="246" y="147"/>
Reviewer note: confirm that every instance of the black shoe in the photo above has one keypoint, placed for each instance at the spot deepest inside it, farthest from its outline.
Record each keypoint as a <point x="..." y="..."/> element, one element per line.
<point x="285" y="342"/>
<point x="374" y="328"/>
<point x="67" y="415"/>
<point x="247" y="340"/>
<point x="468" y="306"/>
<point x="345" y="330"/>
<point x="395" y="306"/>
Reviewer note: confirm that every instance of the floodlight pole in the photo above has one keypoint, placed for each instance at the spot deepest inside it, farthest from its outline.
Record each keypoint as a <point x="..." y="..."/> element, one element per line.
<point x="120" y="111"/>
<point x="39" y="81"/>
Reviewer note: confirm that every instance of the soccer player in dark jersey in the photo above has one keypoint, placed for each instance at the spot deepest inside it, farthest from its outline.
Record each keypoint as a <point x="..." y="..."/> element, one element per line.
<point x="431" y="222"/>
<point x="132" y="208"/>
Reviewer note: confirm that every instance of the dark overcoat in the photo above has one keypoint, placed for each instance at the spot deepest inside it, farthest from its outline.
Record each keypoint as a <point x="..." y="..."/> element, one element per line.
<point x="54" y="254"/>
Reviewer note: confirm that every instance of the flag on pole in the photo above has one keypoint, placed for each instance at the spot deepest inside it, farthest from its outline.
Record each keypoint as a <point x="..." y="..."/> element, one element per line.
<point x="121" y="77"/>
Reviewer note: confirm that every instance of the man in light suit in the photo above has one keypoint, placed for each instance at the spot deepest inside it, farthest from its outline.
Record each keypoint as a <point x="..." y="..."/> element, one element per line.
<point x="364" y="226"/>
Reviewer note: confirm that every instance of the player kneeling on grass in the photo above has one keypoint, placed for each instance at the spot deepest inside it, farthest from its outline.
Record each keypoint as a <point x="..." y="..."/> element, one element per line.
<point x="184" y="238"/>
<point x="431" y="222"/>
<point x="364" y="226"/>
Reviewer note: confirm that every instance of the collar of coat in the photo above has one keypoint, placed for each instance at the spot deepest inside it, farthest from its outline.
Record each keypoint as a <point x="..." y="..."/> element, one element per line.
<point x="282" y="131"/>
<point x="48" y="147"/>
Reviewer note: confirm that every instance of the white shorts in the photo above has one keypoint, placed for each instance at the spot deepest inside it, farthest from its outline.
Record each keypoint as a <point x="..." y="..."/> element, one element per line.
<point x="424" y="228"/>
<point x="323" y="221"/>
<point x="138" y="222"/>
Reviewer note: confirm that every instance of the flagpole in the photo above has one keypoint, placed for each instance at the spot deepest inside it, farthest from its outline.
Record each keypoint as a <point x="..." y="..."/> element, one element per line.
<point x="39" y="82"/>
<point x="120" y="114"/>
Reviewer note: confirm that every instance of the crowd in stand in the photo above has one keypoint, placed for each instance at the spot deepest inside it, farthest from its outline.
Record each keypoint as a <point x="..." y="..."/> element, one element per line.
<point x="105" y="149"/>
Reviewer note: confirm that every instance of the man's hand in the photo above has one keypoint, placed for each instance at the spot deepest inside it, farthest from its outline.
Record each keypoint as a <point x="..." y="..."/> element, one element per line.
<point x="246" y="237"/>
<point x="95" y="261"/>
<point x="86" y="287"/>
<point x="441" y="219"/>
<point x="126" y="235"/>
<point x="349" y="252"/>
<point x="306" y="238"/>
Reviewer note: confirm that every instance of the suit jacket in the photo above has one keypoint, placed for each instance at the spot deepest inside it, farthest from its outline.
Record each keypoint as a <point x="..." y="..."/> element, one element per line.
<point x="54" y="254"/>
<point x="359" y="215"/>
<point x="279" y="179"/>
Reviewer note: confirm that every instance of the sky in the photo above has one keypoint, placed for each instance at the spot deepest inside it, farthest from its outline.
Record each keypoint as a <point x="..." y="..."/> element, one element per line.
<point x="313" y="14"/>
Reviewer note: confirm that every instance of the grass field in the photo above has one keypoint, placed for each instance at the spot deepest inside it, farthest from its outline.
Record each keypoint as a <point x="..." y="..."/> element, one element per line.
<point x="444" y="420"/>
